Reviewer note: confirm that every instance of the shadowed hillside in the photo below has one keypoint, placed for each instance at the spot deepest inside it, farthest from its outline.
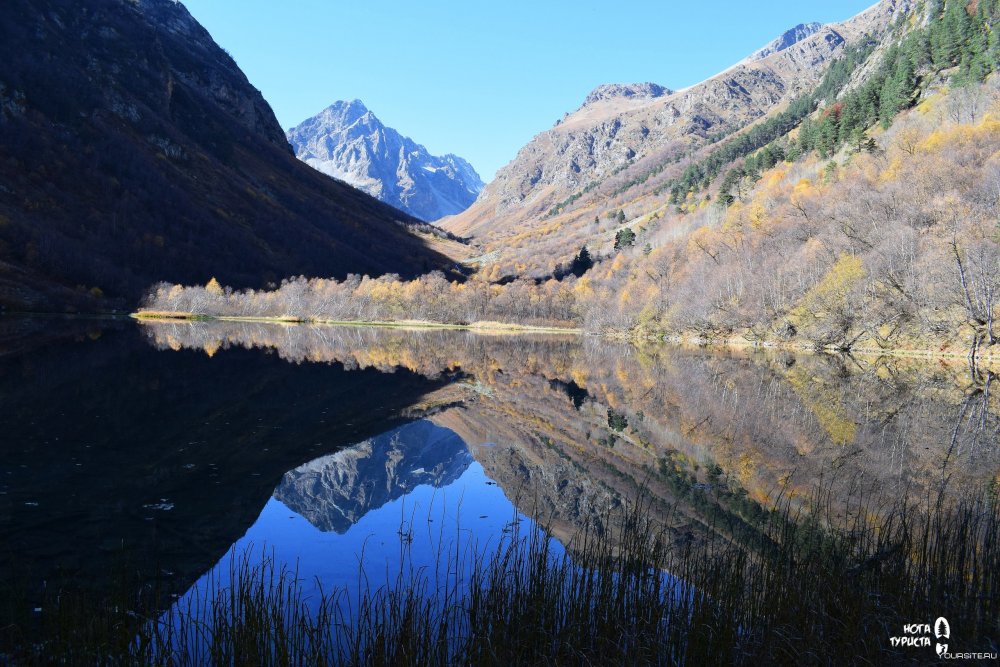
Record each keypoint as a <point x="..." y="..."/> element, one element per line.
<point x="133" y="149"/>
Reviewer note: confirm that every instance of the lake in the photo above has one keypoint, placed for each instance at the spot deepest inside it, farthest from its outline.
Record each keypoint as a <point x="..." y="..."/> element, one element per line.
<point x="160" y="453"/>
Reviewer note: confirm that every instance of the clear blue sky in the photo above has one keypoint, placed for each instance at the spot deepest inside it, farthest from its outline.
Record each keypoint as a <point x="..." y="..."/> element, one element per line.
<point x="479" y="79"/>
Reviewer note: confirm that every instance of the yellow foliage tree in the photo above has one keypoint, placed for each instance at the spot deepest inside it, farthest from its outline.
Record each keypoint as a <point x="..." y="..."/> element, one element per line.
<point x="833" y="290"/>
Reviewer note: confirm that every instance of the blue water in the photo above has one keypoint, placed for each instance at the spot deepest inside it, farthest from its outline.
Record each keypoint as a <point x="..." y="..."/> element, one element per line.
<point x="373" y="547"/>
<point x="434" y="531"/>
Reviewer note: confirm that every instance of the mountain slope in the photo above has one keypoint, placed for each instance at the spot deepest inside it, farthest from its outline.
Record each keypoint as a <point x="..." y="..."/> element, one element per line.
<point x="552" y="190"/>
<point x="347" y="141"/>
<point x="135" y="150"/>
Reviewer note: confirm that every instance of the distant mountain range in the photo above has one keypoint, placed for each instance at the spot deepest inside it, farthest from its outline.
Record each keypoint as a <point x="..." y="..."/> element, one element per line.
<point x="348" y="142"/>
<point x="134" y="150"/>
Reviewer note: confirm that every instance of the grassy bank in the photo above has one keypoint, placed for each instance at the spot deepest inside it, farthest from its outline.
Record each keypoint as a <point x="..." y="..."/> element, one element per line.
<point x="814" y="586"/>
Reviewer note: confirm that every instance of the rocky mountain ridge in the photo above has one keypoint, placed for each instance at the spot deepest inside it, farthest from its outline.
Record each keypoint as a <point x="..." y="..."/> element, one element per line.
<point x="637" y="91"/>
<point x="588" y="156"/>
<point x="786" y="39"/>
<point x="348" y="142"/>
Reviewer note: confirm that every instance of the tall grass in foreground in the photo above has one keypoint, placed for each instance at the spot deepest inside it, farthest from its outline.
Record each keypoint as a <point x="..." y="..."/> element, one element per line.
<point x="800" y="592"/>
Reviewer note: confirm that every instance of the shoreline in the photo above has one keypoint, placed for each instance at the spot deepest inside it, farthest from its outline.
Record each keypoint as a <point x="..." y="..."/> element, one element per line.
<point x="475" y="327"/>
<point x="987" y="359"/>
<point x="984" y="359"/>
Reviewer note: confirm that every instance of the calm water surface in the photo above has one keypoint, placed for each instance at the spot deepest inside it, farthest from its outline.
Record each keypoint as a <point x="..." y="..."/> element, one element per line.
<point x="349" y="454"/>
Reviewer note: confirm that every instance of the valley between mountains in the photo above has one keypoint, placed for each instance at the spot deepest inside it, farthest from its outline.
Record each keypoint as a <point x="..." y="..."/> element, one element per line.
<point x="705" y="374"/>
<point x="835" y="189"/>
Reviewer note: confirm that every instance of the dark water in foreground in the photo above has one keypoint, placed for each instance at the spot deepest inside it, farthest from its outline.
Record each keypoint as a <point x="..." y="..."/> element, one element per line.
<point x="350" y="454"/>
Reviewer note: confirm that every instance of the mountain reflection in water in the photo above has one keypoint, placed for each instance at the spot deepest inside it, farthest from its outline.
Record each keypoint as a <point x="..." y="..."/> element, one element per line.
<point x="113" y="446"/>
<point x="574" y="428"/>
<point x="398" y="502"/>
<point x="584" y="422"/>
<point x="334" y="492"/>
<point x="120" y="461"/>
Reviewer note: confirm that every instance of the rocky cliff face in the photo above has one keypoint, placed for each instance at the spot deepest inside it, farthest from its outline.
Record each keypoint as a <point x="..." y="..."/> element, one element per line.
<point x="348" y="142"/>
<point x="133" y="150"/>
<point x="622" y="130"/>
<point x="335" y="491"/>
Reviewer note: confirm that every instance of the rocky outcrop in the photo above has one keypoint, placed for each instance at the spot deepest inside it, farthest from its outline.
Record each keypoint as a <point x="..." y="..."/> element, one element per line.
<point x="348" y="142"/>
<point x="786" y="39"/>
<point x="637" y="91"/>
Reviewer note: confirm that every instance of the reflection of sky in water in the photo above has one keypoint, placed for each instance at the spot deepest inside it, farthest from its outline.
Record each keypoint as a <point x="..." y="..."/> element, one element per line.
<point x="426" y="528"/>
<point x="433" y="517"/>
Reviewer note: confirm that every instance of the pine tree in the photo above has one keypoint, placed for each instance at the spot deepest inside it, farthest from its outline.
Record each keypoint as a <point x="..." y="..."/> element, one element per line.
<point x="868" y="105"/>
<point x="858" y="140"/>
<point x="951" y="34"/>
<point x="625" y="238"/>
<point x="919" y="45"/>
<point x="898" y="88"/>
<point x="993" y="48"/>
<point x="795" y="152"/>
<point x="617" y="421"/>
<point x="807" y="135"/>
<point x="828" y="131"/>
<point x="850" y="119"/>
<point x="582" y="263"/>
